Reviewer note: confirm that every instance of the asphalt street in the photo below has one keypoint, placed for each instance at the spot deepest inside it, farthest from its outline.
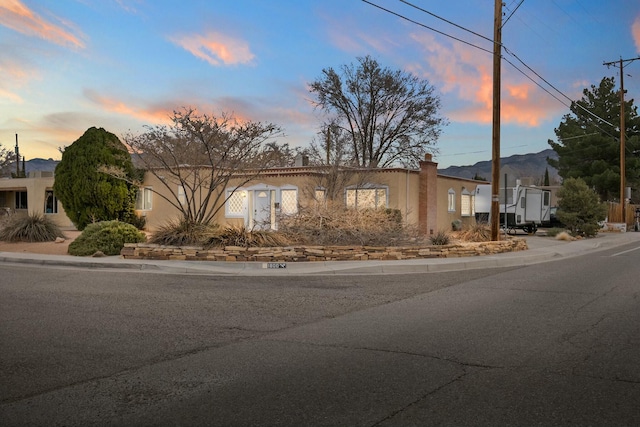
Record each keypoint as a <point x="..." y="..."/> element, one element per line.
<point x="545" y="343"/>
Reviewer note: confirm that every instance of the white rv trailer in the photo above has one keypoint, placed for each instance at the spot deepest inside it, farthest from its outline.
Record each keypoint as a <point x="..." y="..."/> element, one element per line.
<point x="526" y="207"/>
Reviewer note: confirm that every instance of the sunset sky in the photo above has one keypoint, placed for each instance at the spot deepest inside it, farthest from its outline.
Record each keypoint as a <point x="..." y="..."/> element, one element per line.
<point x="67" y="65"/>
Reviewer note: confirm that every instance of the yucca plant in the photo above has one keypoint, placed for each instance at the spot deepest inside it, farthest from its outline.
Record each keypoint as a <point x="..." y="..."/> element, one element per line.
<point x="475" y="233"/>
<point x="34" y="227"/>
<point x="440" y="238"/>
<point x="183" y="233"/>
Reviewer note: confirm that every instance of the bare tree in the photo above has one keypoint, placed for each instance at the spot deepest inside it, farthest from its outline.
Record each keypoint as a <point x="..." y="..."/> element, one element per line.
<point x="390" y="116"/>
<point x="7" y="157"/>
<point x="201" y="155"/>
<point x="332" y="157"/>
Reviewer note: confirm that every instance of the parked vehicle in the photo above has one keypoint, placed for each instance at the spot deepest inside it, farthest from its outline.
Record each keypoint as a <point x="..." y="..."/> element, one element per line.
<point x="526" y="208"/>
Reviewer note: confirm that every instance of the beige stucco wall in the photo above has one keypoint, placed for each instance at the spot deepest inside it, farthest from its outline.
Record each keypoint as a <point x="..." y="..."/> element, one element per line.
<point x="36" y="186"/>
<point x="402" y="192"/>
<point x="458" y="185"/>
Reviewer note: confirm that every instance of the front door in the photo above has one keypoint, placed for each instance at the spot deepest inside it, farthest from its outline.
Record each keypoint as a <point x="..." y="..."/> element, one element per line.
<point x="261" y="209"/>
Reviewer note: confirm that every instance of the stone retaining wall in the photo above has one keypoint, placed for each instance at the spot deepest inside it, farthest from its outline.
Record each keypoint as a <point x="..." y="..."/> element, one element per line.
<point x="318" y="253"/>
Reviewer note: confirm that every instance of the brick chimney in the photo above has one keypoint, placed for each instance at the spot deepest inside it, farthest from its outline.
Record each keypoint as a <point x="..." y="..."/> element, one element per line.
<point x="428" y="196"/>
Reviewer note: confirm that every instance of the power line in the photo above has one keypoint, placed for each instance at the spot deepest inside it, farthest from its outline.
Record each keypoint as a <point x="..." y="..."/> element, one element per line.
<point x="425" y="26"/>
<point x="447" y="21"/>
<point x="488" y="51"/>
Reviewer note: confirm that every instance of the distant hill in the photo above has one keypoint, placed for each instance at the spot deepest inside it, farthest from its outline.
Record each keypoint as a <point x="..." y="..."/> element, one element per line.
<point x="45" y="165"/>
<point x="520" y="166"/>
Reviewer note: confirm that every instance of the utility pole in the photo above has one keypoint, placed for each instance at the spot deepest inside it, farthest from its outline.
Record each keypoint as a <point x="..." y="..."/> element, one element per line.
<point x="621" y="63"/>
<point x="495" y="156"/>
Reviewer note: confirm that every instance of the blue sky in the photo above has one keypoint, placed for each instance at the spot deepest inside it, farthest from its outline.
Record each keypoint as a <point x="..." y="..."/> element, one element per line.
<point x="67" y="65"/>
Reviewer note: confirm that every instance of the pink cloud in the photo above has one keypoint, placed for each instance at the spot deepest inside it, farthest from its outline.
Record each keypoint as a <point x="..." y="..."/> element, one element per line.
<point x="635" y="31"/>
<point x="15" y="15"/>
<point x="151" y="116"/>
<point x="15" y="75"/>
<point x="215" y="48"/>
<point x="467" y="74"/>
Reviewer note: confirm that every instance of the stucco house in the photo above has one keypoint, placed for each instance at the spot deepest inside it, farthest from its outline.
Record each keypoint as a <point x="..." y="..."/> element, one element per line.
<point x="34" y="193"/>
<point x="423" y="197"/>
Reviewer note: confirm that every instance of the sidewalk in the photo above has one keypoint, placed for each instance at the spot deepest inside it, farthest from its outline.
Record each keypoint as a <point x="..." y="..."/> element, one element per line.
<point x="541" y="249"/>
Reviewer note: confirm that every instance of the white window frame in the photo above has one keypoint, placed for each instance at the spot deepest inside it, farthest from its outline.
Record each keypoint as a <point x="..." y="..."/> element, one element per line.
<point x="229" y="202"/>
<point x="451" y="200"/>
<point x="369" y="187"/>
<point x="286" y="210"/>
<point x="144" y="199"/>
<point x="320" y="196"/>
<point x="465" y="203"/>
<point x="182" y="196"/>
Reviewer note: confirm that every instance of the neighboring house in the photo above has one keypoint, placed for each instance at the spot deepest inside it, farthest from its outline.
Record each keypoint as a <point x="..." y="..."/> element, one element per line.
<point x="33" y="194"/>
<point x="424" y="198"/>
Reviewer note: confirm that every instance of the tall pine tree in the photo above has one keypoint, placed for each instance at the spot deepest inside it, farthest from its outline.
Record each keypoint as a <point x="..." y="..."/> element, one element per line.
<point x="588" y="147"/>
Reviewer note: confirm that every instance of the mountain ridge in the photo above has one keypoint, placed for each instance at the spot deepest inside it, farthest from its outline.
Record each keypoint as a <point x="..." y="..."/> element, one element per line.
<point x="517" y="166"/>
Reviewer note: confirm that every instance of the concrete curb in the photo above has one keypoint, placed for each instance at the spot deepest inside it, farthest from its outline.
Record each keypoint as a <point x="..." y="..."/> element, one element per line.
<point x="544" y="250"/>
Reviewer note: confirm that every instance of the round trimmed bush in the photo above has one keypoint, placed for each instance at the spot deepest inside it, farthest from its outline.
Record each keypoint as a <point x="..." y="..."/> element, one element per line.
<point x="107" y="237"/>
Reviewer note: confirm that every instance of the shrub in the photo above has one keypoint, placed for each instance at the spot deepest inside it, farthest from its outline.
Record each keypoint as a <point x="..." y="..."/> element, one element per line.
<point x="563" y="235"/>
<point x="87" y="194"/>
<point x="440" y="238"/>
<point x="240" y="236"/>
<point x="476" y="233"/>
<point x="34" y="227"/>
<point x="183" y="233"/>
<point x="579" y="208"/>
<point x="107" y="237"/>
<point x="553" y="232"/>
<point x="333" y="224"/>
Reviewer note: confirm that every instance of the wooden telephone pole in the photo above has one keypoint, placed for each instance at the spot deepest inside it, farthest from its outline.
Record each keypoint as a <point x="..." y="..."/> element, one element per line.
<point x="495" y="152"/>
<point x="621" y="63"/>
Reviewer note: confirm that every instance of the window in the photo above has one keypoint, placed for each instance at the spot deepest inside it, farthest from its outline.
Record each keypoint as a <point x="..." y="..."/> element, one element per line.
<point x="465" y="203"/>
<point x="288" y="202"/>
<point x="234" y="207"/>
<point x="182" y="197"/>
<point x="50" y="202"/>
<point x="366" y="198"/>
<point x="144" y="198"/>
<point x="320" y="195"/>
<point x="451" y="200"/>
<point x="21" y="200"/>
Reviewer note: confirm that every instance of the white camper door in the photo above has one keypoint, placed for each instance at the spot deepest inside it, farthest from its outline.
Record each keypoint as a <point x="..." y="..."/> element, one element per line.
<point x="533" y="208"/>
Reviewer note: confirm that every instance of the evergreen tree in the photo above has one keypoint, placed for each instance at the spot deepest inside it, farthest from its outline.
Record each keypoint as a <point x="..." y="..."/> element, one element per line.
<point x="88" y="195"/>
<point x="579" y="207"/>
<point x="588" y="144"/>
<point x="545" y="181"/>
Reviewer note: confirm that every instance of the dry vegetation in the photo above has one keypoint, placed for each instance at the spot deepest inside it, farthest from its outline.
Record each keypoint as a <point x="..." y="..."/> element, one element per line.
<point x="336" y="225"/>
<point x="330" y="225"/>
<point x="34" y="227"/>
